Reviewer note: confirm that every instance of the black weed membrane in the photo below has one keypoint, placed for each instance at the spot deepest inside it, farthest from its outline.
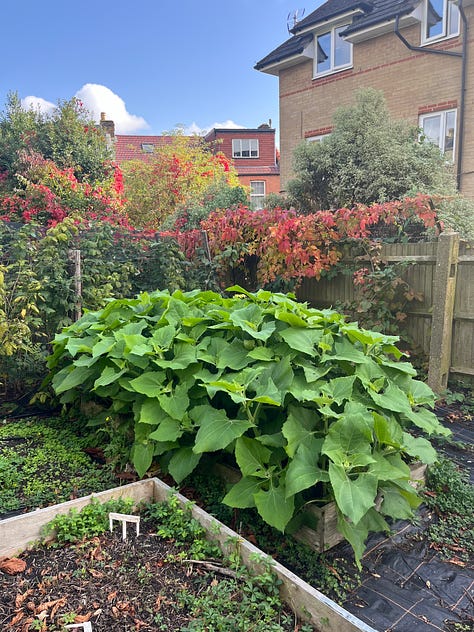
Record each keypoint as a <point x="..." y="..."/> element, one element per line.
<point x="406" y="584"/>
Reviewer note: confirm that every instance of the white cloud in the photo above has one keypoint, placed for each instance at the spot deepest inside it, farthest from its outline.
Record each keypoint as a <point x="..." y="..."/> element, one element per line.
<point x="37" y="103"/>
<point x="200" y="131"/>
<point x="97" y="99"/>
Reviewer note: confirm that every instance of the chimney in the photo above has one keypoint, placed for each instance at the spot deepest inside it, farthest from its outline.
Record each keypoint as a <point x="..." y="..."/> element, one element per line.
<point x="107" y="126"/>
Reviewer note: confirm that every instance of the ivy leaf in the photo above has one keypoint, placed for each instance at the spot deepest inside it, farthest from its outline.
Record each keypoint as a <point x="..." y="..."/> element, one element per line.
<point x="182" y="463"/>
<point x="353" y="497"/>
<point x="303" y="471"/>
<point x="216" y="430"/>
<point x="251" y="456"/>
<point x="241" y="495"/>
<point x="274" y="507"/>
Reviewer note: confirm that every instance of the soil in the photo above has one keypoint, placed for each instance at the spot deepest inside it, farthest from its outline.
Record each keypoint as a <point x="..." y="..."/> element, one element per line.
<point x="116" y="585"/>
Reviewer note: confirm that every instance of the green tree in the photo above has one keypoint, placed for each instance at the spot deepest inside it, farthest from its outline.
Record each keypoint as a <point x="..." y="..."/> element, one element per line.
<point x="68" y="136"/>
<point x="368" y="157"/>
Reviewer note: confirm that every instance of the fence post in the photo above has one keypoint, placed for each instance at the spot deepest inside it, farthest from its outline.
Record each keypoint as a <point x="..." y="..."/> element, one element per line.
<point x="444" y="289"/>
<point x="75" y="258"/>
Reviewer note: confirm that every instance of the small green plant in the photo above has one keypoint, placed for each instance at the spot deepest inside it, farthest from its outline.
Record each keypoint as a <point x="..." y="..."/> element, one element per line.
<point x="92" y="520"/>
<point x="451" y="497"/>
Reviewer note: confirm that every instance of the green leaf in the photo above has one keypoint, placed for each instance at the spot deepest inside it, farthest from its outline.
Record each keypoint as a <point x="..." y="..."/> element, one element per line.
<point x="249" y="319"/>
<point x="149" y="383"/>
<point x="67" y="379"/>
<point x="302" y="339"/>
<point x="108" y="376"/>
<point x="241" y="495"/>
<point x="340" y="388"/>
<point x="168" y="430"/>
<point x="427" y="421"/>
<point x="388" y="468"/>
<point x="419" y="448"/>
<point x="356" y="535"/>
<point x="393" y="398"/>
<point x="177" y="403"/>
<point x="303" y="471"/>
<point x="353" y="497"/>
<point x="163" y="337"/>
<point x="142" y="456"/>
<point x="394" y="503"/>
<point x="251" y="456"/>
<point x="80" y="345"/>
<point x="182" y="463"/>
<point x="422" y="393"/>
<point x="274" y="507"/>
<point x="261" y="353"/>
<point x="299" y="428"/>
<point x="216" y="430"/>
<point x="184" y="355"/>
<point x="352" y="434"/>
<point x="233" y="356"/>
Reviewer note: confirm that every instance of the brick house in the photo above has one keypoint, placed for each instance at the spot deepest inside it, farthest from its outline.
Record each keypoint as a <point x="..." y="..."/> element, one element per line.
<point x="254" y="155"/>
<point x="418" y="52"/>
<point x="252" y="152"/>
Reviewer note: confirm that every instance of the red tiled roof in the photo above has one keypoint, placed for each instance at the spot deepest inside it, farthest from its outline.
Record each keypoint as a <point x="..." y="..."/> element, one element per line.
<point x="130" y="147"/>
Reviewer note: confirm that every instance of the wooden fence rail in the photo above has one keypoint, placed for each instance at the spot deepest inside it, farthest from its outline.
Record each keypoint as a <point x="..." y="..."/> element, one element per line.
<point x="442" y="324"/>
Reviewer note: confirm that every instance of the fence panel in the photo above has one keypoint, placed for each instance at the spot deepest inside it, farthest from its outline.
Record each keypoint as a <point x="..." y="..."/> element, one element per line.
<point x="430" y="276"/>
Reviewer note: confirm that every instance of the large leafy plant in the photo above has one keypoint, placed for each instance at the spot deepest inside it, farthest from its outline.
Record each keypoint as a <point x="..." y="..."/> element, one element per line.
<point x="311" y="408"/>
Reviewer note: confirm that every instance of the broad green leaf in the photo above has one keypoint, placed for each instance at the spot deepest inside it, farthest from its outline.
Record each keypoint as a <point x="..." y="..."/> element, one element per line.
<point x="80" y="345"/>
<point x="303" y="471"/>
<point x="163" y="337"/>
<point x="274" y="507"/>
<point x="422" y="393"/>
<point x="136" y="344"/>
<point x="352" y="434"/>
<point x="340" y="388"/>
<point x="233" y="356"/>
<point x="67" y="379"/>
<point x="356" y="535"/>
<point x="299" y="428"/>
<point x="149" y="384"/>
<point x="362" y="335"/>
<point x="344" y="350"/>
<point x="353" y="497"/>
<point x="419" y="448"/>
<point x="184" y="355"/>
<point x="182" y="463"/>
<point x="142" y="456"/>
<point x="216" y="430"/>
<point x="108" y="375"/>
<point x="393" y="398"/>
<point x="388" y="468"/>
<point x="148" y="411"/>
<point x="403" y="367"/>
<point x="302" y="339"/>
<point x="251" y="456"/>
<point x="177" y="403"/>
<point x="276" y="440"/>
<point x="168" y="430"/>
<point x="394" y="503"/>
<point x="387" y="430"/>
<point x="292" y="319"/>
<point x="261" y="353"/>
<point x="249" y="319"/>
<point x="312" y="372"/>
<point x="427" y="421"/>
<point x="241" y="495"/>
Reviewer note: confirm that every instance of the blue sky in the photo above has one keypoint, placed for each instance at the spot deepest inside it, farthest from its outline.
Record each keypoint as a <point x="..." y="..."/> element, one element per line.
<point x="149" y="64"/>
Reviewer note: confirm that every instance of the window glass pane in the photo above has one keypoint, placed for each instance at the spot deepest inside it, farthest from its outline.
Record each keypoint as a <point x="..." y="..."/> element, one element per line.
<point x="434" y="18"/>
<point x="245" y="148"/>
<point x="254" y="148"/>
<point x="236" y="148"/>
<point x="257" y="188"/>
<point x="323" y="46"/>
<point x="450" y="128"/>
<point x="431" y="129"/>
<point x="453" y="19"/>
<point x="342" y="49"/>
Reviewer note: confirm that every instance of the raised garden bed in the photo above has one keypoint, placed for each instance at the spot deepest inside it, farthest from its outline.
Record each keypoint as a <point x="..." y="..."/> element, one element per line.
<point x="19" y="532"/>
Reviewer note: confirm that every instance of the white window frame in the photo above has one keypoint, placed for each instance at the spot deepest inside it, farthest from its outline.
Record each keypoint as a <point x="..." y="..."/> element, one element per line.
<point x="333" y="68"/>
<point x="257" y="197"/>
<point x="317" y="139"/>
<point x="442" y="129"/>
<point x="237" y="148"/>
<point x="446" y="23"/>
<point x="148" y="148"/>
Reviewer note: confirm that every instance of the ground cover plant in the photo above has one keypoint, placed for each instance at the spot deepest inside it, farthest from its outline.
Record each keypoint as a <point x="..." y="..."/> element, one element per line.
<point x="308" y="407"/>
<point x="170" y="577"/>
<point x="42" y="462"/>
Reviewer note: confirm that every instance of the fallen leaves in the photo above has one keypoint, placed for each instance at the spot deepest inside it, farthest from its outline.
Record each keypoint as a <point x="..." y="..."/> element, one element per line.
<point x="12" y="565"/>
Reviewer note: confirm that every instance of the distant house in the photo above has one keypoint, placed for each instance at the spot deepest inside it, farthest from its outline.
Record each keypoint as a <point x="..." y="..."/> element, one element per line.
<point x="416" y="51"/>
<point x="252" y="151"/>
<point x="254" y="155"/>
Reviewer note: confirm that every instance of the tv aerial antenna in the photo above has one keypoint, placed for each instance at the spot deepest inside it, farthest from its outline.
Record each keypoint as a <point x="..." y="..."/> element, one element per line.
<point x="293" y="18"/>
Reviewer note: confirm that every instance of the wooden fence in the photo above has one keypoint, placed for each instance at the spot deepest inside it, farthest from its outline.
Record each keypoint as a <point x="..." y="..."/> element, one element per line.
<point x="442" y="324"/>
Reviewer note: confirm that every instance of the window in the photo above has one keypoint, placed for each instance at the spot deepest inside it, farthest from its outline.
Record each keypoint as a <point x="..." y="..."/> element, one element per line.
<point x="257" y="194"/>
<point x="317" y="139"/>
<point x="439" y="128"/>
<point x="440" y="20"/>
<point x="244" y="148"/>
<point x="148" y="148"/>
<point x="332" y="52"/>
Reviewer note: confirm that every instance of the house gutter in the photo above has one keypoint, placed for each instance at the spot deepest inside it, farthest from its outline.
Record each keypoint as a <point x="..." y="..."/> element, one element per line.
<point x="463" y="56"/>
